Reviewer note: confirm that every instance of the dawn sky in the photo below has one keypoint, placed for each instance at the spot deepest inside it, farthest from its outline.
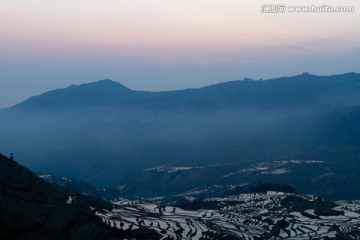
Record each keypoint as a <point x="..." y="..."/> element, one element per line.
<point x="167" y="44"/>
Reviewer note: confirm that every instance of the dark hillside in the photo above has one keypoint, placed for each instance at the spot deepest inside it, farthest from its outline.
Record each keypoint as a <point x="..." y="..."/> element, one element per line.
<point x="31" y="208"/>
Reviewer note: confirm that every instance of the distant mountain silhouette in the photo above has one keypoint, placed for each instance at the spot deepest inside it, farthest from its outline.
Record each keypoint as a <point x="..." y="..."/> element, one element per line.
<point x="297" y="91"/>
<point x="104" y="92"/>
<point x="107" y="134"/>
<point x="31" y="208"/>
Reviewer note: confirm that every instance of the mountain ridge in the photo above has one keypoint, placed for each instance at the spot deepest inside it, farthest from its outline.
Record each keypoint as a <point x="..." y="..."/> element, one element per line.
<point x="299" y="89"/>
<point x="88" y="93"/>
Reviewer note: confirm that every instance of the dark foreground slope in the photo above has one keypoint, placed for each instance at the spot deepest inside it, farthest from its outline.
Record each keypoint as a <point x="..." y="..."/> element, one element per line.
<point x="31" y="208"/>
